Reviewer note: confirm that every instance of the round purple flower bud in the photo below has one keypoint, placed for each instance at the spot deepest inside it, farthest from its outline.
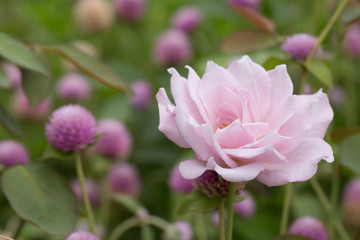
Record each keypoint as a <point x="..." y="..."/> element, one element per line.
<point x="351" y="203"/>
<point x="91" y="189"/>
<point x="171" y="48"/>
<point x="124" y="178"/>
<point x="13" y="73"/>
<point x="186" y="19"/>
<point x="254" y="4"/>
<point x="82" y="235"/>
<point x="212" y="185"/>
<point x="130" y="10"/>
<point x="115" y="141"/>
<point x="178" y="183"/>
<point x="307" y="89"/>
<point x="142" y="94"/>
<point x="300" y="45"/>
<point x="245" y="208"/>
<point x="70" y="128"/>
<point x="185" y="230"/>
<point x="351" y="43"/>
<point x="21" y="107"/>
<point x="73" y="87"/>
<point x="215" y="218"/>
<point x="13" y="153"/>
<point x="337" y="95"/>
<point x="309" y="227"/>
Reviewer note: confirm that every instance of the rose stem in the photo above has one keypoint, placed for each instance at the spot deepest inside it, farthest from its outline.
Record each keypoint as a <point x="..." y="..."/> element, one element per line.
<point x="230" y="212"/>
<point x="222" y="220"/>
<point x="80" y="173"/>
<point x="286" y="208"/>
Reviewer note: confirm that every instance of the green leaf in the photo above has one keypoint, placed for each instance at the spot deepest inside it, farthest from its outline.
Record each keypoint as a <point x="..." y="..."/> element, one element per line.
<point x="37" y="87"/>
<point x="247" y="40"/>
<point x="291" y="237"/>
<point x="9" y="123"/>
<point x="132" y="204"/>
<point x="196" y="202"/>
<point x="320" y="71"/>
<point x="4" y="80"/>
<point x="351" y="14"/>
<point x="39" y="195"/>
<point x="272" y="62"/>
<point x="53" y="153"/>
<point x="89" y="65"/>
<point x="16" y="52"/>
<point x="349" y="153"/>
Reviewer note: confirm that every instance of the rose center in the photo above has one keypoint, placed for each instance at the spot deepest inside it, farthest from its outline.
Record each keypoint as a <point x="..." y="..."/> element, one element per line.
<point x="223" y="125"/>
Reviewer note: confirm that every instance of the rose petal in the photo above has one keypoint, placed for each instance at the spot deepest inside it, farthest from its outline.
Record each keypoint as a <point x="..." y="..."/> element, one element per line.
<point x="233" y="136"/>
<point x="191" y="169"/>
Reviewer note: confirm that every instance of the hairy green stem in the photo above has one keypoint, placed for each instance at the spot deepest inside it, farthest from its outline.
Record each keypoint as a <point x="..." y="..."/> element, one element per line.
<point x="81" y="177"/>
<point x="222" y="220"/>
<point x="230" y="212"/>
<point x="286" y="208"/>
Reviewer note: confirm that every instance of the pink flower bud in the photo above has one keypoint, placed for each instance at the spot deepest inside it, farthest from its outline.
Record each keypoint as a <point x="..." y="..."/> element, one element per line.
<point x="13" y="153"/>
<point x="186" y="19"/>
<point x="300" y="45"/>
<point x="143" y="94"/>
<point x="351" y="43"/>
<point x="91" y="189"/>
<point x="245" y="3"/>
<point x="13" y="73"/>
<point x="215" y="219"/>
<point x="178" y="183"/>
<point x="309" y="227"/>
<point x="21" y="107"/>
<point x="185" y="230"/>
<point x="130" y="10"/>
<point x="307" y="89"/>
<point x="73" y="87"/>
<point x="70" y="128"/>
<point x="115" y="141"/>
<point x="337" y="95"/>
<point x="82" y="235"/>
<point x="247" y="207"/>
<point x="351" y="203"/>
<point x="124" y="178"/>
<point x="172" y="47"/>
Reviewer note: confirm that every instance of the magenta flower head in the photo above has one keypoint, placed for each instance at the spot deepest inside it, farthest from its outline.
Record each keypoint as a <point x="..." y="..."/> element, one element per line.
<point x="172" y="47"/>
<point x="178" y="183"/>
<point x="13" y="153"/>
<point x="82" y="235"/>
<point x="70" y="128"/>
<point x="254" y="4"/>
<point x="73" y="87"/>
<point x="351" y="203"/>
<point x="124" y="178"/>
<point x="244" y="123"/>
<point x="130" y="10"/>
<point x="309" y="227"/>
<point x="184" y="229"/>
<point x="13" y="73"/>
<point x="115" y="141"/>
<point x="186" y="19"/>
<point x="300" y="45"/>
<point x="247" y="207"/>
<point x="22" y="109"/>
<point x="351" y="43"/>
<point x="92" y="191"/>
<point x="143" y="94"/>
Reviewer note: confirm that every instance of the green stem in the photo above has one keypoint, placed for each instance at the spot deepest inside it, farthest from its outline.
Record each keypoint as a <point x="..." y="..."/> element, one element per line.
<point x="286" y="208"/>
<point x="230" y="212"/>
<point x="105" y="206"/>
<point x="123" y="227"/>
<point x="327" y="28"/>
<point x="221" y="220"/>
<point x="200" y="227"/>
<point x="80" y="173"/>
<point x="335" y="185"/>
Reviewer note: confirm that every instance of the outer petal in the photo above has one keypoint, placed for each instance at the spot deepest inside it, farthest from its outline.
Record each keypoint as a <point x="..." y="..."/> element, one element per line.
<point x="191" y="169"/>
<point x="167" y="123"/>
<point x="301" y="165"/>
<point x="281" y="86"/>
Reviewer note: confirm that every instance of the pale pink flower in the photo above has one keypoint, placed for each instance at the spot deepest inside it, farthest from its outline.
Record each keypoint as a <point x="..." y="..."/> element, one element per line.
<point x="244" y="122"/>
<point x="309" y="227"/>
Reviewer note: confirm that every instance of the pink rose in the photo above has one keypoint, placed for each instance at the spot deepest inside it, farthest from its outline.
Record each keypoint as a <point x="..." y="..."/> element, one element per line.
<point x="244" y="122"/>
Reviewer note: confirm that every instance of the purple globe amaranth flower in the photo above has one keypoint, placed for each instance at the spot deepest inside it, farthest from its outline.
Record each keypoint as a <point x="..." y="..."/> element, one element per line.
<point x="115" y="141"/>
<point x="351" y="203"/>
<point x="73" y="87"/>
<point x="130" y="10"/>
<point x="124" y="178"/>
<point x="91" y="189"/>
<point x="309" y="227"/>
<point x="337" y="95"/>
<point x="245" y="208"/>
<point x="13" y="153"/>
<point x="142" y="94"/>
<point x="212" y="185"/>
<point x="178" y="183"/>
<point x="70" y="128"/>
<point x="21" y="107"/>
<point x="82" y="235"/>
<point x="254" y="4"/>
<point x="172" y="47"/>
<point x="184" y="229"/>
<point x="186" y="19"/>
<point x="307" y="89"/>
<point x="300" y="45"/>
<point x="13" y="73"/>
<point x="351" y="43"/>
